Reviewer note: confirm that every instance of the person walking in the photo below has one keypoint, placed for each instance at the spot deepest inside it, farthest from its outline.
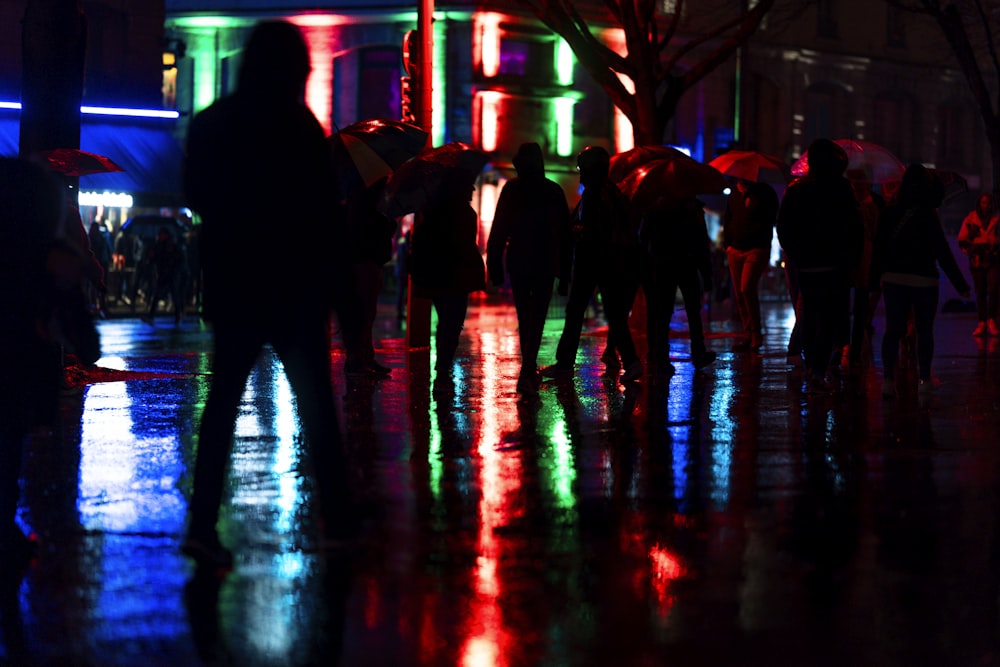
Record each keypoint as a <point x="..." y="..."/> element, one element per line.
<point x="45" y="311"/>
<point x="530" y="226"/>
<point x="979" y="239"/>
<point x="604" y="240"/>
<point x="371" y="236"/>
<point x="865" y="297"/>
<point x="680" y="257"/>
<point x="747" y="232"/>
<point x="446" y="266"/>
<point x="256" y="159"/>
<point x="820" y="228"/>
<point x="909" y="246"/>
<point x="100" y="245"/>
<point x="168" y="260"/>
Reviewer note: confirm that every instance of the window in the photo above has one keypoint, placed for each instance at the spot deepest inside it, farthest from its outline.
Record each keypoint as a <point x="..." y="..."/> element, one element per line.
<point x="893" y="124"/>
<point x="379" y="70"/>
<point x="826" y="19"/>
<point x="952" y="118"/>
<point x="527" y="58"/>
<point x="895" y="28"/>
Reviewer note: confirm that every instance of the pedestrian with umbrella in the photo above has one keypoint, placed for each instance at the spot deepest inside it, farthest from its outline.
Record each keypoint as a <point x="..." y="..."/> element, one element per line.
<point x="530" y="229"/>
<point x="820" y="228"/>
<point x="445" y="263"/>
<point x="605" y="239"/>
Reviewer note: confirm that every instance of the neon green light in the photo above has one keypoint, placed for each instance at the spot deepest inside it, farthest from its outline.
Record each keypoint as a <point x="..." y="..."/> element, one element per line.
<point x="563" y="469"/>
<point x="438" y="93"/>
<point x="565" y="59"/>
<point x="564" y="125"/>
<point x="207" y="22"/>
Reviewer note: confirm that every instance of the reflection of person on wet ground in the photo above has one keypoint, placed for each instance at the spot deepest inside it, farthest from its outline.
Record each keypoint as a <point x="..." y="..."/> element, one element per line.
<point x="820" y="229"/>
<point x="909" y="246"/>
<point x="748" y="227"/>
<point x="446" y="265"/>
<point x="604" y="237"/>
<point x="529" y="226"/>
<point x="44" y="310"/>
<point x="679" y="252"/>
<point x="262" y="287"/>
<point x="370" y="234"/>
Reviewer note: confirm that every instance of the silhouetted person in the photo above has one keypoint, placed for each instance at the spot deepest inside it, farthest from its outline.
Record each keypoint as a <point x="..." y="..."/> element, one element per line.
<point x="258" y="170"/>
<point x="865" y="297"/>
<point x="820" y="228"/>
<point x="168" y="259"/>
<point x="748" y="228"/>
<point x="100" y="245"/>
<point x="530" y="224"/>
<point x="603" y="247"/>
<point x="909" y="246"/>
<point x="445" y="264"/>
<point x="680" y="257"/>
<point x="370" y="233"/>
<point x="44" y="310"/>
<point x="979" y="238"/>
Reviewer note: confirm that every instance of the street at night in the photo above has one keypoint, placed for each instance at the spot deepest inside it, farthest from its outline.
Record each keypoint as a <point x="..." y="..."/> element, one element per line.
<point x="722" y="518"/>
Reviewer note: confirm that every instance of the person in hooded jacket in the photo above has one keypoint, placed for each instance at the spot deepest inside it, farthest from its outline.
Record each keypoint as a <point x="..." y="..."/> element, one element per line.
<point x="258" y="169"/>
<point x="820" y="229"/>
<point x="979" y="238"/>
<point x="603" y="250"/>
<point x="908" y="248"/>
<point x="530" y="226"/>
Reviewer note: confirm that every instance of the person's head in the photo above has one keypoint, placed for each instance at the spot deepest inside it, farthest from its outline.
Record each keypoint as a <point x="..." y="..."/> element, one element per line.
<point x="275" y="62"/>
<point x="529" y="161"/>
<point x="985" y="204"/>
<point x="859" y="184"/>
<point x="920" y="187"/>
<point x="593" y="163"/>
<point x="826" y="159"/>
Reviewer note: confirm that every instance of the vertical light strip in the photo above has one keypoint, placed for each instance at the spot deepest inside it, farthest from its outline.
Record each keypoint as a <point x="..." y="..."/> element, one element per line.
<point x="564" y="125"/>
<point x="488" y="30"/>
<point x="489" y="103"/>
<point x="439" y="131"/>
<point x="565" y="60"/>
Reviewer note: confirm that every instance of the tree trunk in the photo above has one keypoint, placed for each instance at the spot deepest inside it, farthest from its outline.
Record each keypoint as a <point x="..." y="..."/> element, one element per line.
<point x="54" y="43"/>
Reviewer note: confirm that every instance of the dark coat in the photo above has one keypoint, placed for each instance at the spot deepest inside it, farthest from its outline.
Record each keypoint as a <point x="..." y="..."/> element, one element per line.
<point x="748" y="222"/>
<point x="444" y="256"/>
<point x="819" y="223"/>
<point x="676" y="238"/>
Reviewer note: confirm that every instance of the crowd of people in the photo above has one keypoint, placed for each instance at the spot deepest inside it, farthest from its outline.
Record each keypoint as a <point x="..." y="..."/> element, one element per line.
<point x="837" y="235"/>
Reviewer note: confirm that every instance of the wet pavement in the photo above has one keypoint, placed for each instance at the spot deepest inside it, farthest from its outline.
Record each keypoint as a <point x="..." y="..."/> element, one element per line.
<point x="719" y="518"/>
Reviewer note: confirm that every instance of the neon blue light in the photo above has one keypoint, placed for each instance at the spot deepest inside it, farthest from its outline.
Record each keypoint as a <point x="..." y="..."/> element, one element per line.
<point x="112" y="111"/>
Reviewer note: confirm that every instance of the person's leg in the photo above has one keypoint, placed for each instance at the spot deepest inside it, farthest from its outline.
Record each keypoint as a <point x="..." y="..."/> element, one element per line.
<point x="304" y="350"/>
<point x="754" y="264"/>
<point x="451" y="310"/>
<point x="690" y="288"/>
<point x="581" y="291"/>
<point x="993" y="295"/>
<point x="859" y="324"/>
<point x="736" y="260"/>
<point x="896" y="302"/>
<point x="614" y="295"/>
<point x="532" y="295"/>
<point x="235" y="352"/>
<point x="979" y="284"/>
<point x="925" y="302"/>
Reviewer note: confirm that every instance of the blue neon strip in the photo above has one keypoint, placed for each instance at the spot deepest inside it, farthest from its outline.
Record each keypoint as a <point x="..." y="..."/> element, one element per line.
<point x="112" y="111"/>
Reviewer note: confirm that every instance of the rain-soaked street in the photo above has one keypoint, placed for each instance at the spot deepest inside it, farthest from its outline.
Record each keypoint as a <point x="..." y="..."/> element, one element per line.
<point x="723" y="518"/>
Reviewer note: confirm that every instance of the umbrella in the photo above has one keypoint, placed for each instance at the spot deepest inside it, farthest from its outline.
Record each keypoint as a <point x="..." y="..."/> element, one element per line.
<point x="420" y="180"/>
<point x="752" y="166"/>
<point x="75" y="162"/>
<point x="622" y="164"/>
<point x="878" y="163"/>
<point x="671" y="178"/>
<point x="954" y="184"/>
<point x="367" y="151"/>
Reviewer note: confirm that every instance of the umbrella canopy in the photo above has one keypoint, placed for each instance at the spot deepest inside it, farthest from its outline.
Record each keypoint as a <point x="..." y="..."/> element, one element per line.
<point x="367" y="151"/>
<point x="878" y="162"/>
<point x="622" y="164"/>
<point x="752" y="166"/>
<point x="419" y="181"/>
<point x="75" y="162"/>
<point x="674" y="179"/>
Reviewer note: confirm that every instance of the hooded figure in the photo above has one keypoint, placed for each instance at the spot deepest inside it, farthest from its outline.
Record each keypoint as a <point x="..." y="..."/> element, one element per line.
<point x="821" y="231"/>
<point x="258" y="170"/>
<point x="530" y="229"/>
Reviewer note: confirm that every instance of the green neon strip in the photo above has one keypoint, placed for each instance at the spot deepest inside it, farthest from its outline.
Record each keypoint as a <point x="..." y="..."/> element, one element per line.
<point x="565" y="60"/>
<point x="439" y="131"/>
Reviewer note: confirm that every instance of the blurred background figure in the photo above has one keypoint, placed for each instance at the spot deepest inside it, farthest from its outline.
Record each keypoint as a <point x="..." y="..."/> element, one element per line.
<point x="978" y="238"/>
<point x="168" y="260"/>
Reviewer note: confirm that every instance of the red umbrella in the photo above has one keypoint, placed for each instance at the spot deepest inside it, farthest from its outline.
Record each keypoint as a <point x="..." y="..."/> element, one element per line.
<point x="752" y="166"/>
<point x="878" y="162"/>
<point x="419" y="181"/>
<point x="622" y="164"/>
<point x="75" y="162"/>
<point x="672" y="179"/>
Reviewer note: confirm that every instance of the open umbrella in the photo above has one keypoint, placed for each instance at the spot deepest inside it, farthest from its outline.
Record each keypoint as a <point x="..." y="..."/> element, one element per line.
<point x="367" y="151"/>
<point x="420" y="180"/>
<point x="75" y="162"/>
<point x="752" y="166"/>
<point x="622" y="164"/>
<point x="878" y="162"/>
<point x="670" y="178"/>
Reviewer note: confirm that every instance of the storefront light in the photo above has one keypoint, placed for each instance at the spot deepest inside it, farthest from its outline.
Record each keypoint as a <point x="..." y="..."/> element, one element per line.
<point x="112" y="111"/>
<point x="108" y="199"/>
<point x="489" y="115"/>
